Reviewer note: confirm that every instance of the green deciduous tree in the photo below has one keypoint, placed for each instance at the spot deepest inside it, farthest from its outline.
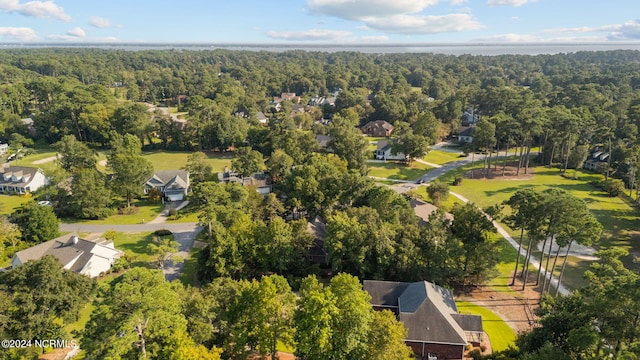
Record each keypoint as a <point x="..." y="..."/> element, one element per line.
<point x="36" y="304"/>
<point x="37" y="223"/>
<point x="198" y="168"/>
<point x="247" y="162"/>
<point x="75" y="154"/>
<point x="139" y="316"/>
<point x="437" y="192"/>
<point x="130" y="169"/>
<point x="90" y="198"/>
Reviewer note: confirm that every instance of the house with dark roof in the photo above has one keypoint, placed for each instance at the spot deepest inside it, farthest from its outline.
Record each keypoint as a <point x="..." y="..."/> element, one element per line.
<point x="465" y="133"/>
<point x="379" y="128"/>
<point x="384" y="151"/>
<point x="173" y="184"/>
<point x="318" y="230"/>
<point x="21" y="179"/>
<point x="86" y="257"/>
<point x="596" y="161"/>
<point x="435" y="329"/>
<point x="323" y="141"/>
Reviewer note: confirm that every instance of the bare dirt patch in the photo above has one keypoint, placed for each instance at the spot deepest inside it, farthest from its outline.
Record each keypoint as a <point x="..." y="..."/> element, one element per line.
<point x="517" y="310"/>
<point x="510" y="173"/>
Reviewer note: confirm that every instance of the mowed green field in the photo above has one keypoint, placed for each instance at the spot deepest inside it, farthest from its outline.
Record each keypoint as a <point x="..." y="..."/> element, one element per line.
<point x="9" y="202"/>
<point x="442" y="157"/>
<point x="165" y="160"/>
<point x="397" y="170"/>
<point x="621" y="222"/>
<point x="500" y="333"/>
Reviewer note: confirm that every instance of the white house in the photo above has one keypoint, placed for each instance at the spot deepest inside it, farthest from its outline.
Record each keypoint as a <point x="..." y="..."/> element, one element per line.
<point x="4" y="148"/>
<point x="21" y="179"/>
<point x="465" y="134"/>
<point x="384" y="152"/>
<point x="86" y="257"/>
<point x="173" y="184"/>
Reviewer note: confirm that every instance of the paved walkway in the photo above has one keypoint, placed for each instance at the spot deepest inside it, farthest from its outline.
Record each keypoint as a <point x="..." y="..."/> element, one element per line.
<point x="428" y="163"/>
<point x="436" y="173"/>
<point x="554" y="281"/>
<point x="164" y="214"/>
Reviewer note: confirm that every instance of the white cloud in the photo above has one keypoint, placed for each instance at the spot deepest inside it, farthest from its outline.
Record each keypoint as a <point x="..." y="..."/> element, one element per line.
<point x="101" y="22"/>
<point x="39" y="9"/>
<point x="424" y="24"/>
<point x="356" y="9"/>
<point x="72" y="38"/>
<point x="310" y="35"/>
<point x="510" y="38"/>
<point x="18" y="33"/>
<point x="77" y="32"/>
<point x="626" y="31"/>
<point x="515" y="3"/>
<point x="396" y="16"/>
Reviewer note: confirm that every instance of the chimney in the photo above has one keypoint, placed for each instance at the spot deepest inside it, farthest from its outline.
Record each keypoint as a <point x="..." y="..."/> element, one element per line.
<point x="74" y="239"/>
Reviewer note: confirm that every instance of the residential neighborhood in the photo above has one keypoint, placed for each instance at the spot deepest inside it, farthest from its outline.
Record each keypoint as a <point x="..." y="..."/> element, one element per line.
<point x="232" y="204"/>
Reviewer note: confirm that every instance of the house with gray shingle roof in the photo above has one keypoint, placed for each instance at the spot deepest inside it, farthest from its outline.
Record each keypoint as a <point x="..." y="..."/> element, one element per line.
<point x="435" y="329"/>
<point x="21" y="179"/>
<point x="86" y="257"/>
<point x="173" y="184"/>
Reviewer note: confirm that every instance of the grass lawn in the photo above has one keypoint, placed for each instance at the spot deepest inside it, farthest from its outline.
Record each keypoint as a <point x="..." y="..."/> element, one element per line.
<point x="147" y="211"/>
<point x="136" y="247"/>
<point x="500" y="334"/>
<point x="187" y="214"/>
<point x="188" y="274"/>
<point x="441" y="157"/>
<point x="399" y="171"/>
<point x="38" y="154"/>
<point x="9" y="202"/>
<point x="619" y="219"/>
<point x="165" y="160"/>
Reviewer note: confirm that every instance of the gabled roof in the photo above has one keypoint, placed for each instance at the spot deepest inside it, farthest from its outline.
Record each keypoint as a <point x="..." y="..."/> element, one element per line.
<point x="378" y="124"/>
<point x="323" y="140"/>
<point x="172" y="179"/>
<point x="466" y="131"/>
<point x="23" y="175"/>
<point x="383" y="145"/>
<point x="428" y="311"/>
<point x="69" y="250"/>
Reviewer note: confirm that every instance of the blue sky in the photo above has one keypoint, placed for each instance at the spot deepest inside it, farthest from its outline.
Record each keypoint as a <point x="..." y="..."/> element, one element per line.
<point x="319" y="21"/>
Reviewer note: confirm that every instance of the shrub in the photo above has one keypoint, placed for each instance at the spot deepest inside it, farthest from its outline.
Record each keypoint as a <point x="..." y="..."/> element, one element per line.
<point x="614" y="187"/>
<point x="163" y="232"/>
<point x="457" y="180"/>
<point x="437" y="191"/>
<point x="120" y="264"/>
<point x="155" y="194"/>
<point x="128" y="210"/>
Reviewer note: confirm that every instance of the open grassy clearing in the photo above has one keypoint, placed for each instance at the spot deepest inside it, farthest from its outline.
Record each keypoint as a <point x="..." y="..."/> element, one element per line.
<point x="500" y="333"/>
<point x="147" y="211"/>
<point x="397" y="170"/>
<point x="188" y="274"/>
<point x="619" y="219"/>
<point x="9" y="202"/>
<point x="172" y="160"/>
<point x="441" y="157"/>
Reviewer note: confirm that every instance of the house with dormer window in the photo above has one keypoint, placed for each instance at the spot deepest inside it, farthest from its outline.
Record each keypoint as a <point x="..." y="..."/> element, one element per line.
<point x="21" y="180"/>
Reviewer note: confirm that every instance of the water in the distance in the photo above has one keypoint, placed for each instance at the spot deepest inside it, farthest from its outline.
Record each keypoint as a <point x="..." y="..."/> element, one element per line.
<point x="449" y="49"/>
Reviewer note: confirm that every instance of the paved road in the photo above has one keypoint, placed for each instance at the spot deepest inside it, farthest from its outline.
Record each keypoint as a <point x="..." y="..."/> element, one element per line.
<point x="90" y="228"/>
<point x="183" y="233"/>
